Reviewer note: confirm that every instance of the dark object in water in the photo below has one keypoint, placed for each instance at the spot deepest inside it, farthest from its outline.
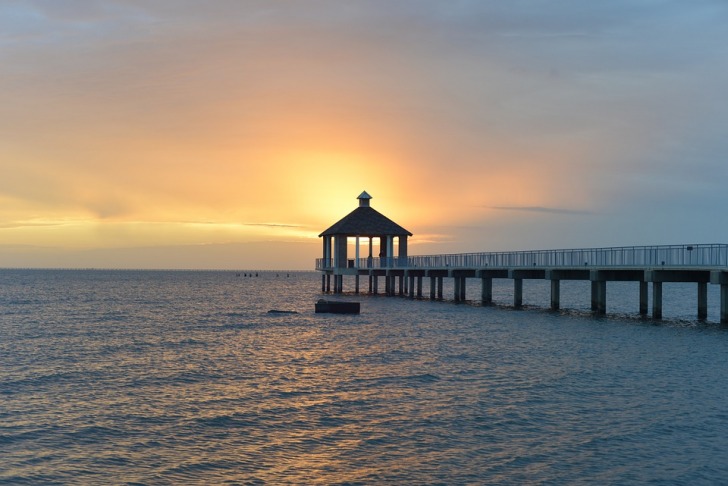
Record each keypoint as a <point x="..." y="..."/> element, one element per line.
<point x="336" y="307"/>
<point x="276" y="311"/>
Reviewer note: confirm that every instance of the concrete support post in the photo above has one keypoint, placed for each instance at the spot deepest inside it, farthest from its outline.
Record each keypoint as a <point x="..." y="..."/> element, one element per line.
<point x="657" y="300"/>
<point x="419" y="287"/>
<point x="401" y="285"/>
<point x="439" y="288"/>
<point x="328" y="283"/>
<point x="724" y="303"/>
<point x="555" y="294"/>
<point x="517" y="293"/>
<point x="602" y="297"/>
<point x="644" y="299"/>
<point x="323" y="283"/>
<point x="375" y="284"/>
<point x="486" y="297"/>
<point x="702" y="300"/>
<point x="456" y="284"/>
<point x="599" y="296"/>
<point x="411" y="286"/>
<point x="462" y="288"/>
<point x="433" y="285"/>
<point x="356" y="284"/>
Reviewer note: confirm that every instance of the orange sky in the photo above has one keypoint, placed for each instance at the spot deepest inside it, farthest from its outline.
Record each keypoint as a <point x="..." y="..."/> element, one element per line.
<point x="227" y="135"/>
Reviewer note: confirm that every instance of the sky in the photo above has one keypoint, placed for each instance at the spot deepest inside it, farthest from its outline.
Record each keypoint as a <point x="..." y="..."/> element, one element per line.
<point x="228" y="134"/>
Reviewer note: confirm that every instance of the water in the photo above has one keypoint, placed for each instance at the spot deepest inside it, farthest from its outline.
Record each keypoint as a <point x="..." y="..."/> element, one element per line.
<point x="122" y="377"/>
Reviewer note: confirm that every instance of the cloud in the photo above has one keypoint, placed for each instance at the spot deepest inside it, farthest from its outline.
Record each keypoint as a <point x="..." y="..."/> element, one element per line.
<point x="274" y="225"/>
<point x="541" y="209"/>
<point x="28" y="224"/>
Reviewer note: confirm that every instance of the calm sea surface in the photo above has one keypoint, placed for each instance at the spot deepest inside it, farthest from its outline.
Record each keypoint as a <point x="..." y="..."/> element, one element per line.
<point x="127" y="377"/>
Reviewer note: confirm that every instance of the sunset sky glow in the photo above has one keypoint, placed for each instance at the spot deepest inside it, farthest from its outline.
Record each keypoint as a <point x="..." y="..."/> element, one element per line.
<point x="227" y="134"/>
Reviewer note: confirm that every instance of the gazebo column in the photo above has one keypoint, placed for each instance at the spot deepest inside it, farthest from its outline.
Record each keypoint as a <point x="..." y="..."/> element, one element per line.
<point x="390" y="250"/>
<point x="340" y="251"/>
<point x="356" y="262"/>
<point x="327" y="252"/>
<point x="369" y="259"/>
<point x="402" y="250"/>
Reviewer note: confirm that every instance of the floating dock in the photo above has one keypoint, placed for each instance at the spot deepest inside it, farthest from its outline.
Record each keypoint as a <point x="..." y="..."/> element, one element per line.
<point x="336" y="307"/>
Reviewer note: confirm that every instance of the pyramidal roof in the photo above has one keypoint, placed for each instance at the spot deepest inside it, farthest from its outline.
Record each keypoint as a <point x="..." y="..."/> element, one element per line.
<point x="365" y="221"/>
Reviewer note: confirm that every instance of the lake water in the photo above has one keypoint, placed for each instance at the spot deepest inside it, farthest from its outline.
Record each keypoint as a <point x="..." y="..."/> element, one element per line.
<point x="146" y="377"/>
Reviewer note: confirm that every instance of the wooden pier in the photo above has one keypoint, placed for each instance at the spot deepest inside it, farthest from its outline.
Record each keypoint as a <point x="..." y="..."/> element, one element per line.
<point x="403" y="275"/>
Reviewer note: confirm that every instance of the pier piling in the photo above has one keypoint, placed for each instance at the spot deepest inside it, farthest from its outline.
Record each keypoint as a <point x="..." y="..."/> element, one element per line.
<point x="555" y="294"/>
<point x="657" y="300"/>
<point x="644" y="298"/>
<point x="486" y="296"/>
<point x="517" y="293"/>
<point x="702" y="300"/>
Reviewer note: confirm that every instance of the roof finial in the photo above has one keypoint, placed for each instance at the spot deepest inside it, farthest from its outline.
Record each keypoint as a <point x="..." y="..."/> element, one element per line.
<point x="364" y="199"/>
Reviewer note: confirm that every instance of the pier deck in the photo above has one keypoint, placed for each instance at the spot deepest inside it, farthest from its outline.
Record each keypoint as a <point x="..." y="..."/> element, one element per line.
<point x="655" y="265"/>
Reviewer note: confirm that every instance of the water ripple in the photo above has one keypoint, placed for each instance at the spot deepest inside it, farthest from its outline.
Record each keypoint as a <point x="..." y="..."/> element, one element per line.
<point x="185" y="378"/>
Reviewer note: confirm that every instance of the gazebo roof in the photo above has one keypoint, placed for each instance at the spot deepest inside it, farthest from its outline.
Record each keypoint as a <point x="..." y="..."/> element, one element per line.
<point x="365" y="221"/>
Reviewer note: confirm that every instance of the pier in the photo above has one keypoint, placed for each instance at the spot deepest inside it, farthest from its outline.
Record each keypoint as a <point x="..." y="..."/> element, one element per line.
<point x="403" y="275"/>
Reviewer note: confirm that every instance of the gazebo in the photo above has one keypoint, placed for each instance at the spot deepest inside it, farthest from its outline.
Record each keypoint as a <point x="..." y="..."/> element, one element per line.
<point x="362" y="222"/>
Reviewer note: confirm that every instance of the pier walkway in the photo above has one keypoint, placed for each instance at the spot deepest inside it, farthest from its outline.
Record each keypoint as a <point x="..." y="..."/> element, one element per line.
<point x="403" y="275"/>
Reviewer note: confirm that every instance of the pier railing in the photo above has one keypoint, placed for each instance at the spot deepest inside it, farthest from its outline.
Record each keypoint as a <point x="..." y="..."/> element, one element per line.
<point x="704" y="255"/>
